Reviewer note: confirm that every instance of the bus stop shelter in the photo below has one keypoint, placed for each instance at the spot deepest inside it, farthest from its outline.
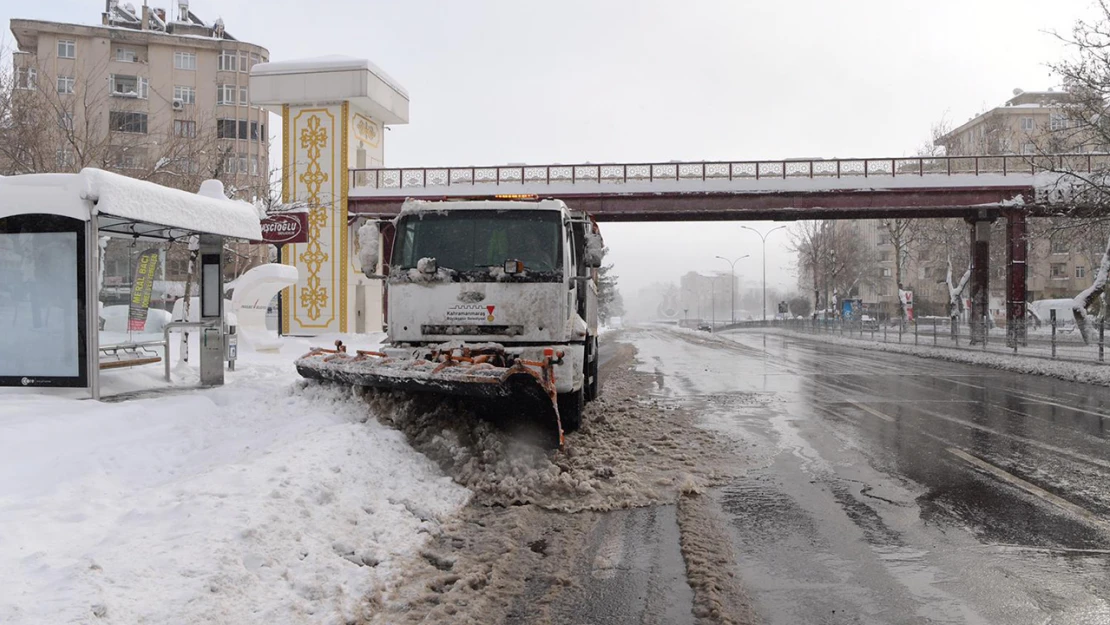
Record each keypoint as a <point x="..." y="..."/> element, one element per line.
<point x="50" y="228"/>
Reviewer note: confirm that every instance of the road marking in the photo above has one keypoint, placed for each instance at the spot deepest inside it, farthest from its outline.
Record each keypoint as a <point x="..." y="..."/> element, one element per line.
<point x="1034" y="398"/>
<point x="1032" y="489"/>
<point x="871" y="411"/>
<point x="1021" y="439"/>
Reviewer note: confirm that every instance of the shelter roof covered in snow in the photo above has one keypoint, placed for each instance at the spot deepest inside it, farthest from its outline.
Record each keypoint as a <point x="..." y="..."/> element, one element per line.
<point x="127" y="205"/>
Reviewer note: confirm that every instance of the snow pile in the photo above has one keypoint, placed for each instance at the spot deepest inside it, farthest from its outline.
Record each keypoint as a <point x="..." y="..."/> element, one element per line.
<point x="115" y="319"/>
<point x="327" y="63"/>
<point x="628" y="453"/>
<point x="368" y="235"/>
<point x="595" y="249"/>
<point x="268" y="501"/>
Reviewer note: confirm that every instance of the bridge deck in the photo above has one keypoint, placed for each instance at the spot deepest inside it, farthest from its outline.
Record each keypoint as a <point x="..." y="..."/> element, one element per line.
<point x="795" y="189"/>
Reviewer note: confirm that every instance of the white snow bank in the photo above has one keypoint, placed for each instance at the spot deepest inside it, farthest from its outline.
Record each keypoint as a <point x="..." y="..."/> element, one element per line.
<point x="115" y="319"/>
<point x="267" y="501"/>
<point x="595" y="249"/>
<point x="129" y="198"/>
<point x="368" y="235"/>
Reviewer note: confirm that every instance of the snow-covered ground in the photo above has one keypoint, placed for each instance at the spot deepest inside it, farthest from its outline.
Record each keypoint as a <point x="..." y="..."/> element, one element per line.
<point x="269" y="500"/>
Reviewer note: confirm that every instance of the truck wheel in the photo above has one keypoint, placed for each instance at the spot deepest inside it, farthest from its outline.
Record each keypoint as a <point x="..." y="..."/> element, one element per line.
<point x="570" y="409"/>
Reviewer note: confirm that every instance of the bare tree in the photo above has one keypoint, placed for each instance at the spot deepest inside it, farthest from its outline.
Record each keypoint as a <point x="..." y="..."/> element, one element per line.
<point x="904" y="234"/>
<point x="1086" y="76"/>
<point x="834" y="257"/>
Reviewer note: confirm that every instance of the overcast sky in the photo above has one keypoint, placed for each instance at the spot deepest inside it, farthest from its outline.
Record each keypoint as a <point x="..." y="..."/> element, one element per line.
<point x="512" y="81"/>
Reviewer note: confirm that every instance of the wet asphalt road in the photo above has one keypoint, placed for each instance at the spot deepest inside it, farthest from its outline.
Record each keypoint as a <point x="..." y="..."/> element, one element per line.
<point x="886" y="489"/>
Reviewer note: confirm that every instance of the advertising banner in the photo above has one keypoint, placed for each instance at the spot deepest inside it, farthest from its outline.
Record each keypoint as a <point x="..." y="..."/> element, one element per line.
<point x="145" y="267"/>
<point x="43" y="325"/>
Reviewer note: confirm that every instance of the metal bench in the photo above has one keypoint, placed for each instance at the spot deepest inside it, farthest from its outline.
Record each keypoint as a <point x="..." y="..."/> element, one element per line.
<point x="129" y="355"/>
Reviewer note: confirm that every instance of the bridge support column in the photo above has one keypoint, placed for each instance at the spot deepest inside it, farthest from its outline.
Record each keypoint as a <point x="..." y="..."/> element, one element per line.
<point x="1017" y="247"/>
<point x="980" y="277"/>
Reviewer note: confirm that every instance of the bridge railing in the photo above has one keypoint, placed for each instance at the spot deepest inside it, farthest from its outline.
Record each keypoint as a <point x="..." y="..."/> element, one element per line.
<point x="631" y="173"/>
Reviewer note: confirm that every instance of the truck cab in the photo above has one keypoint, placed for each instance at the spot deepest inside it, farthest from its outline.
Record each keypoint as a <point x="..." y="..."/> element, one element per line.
<point x="519" y="274"/>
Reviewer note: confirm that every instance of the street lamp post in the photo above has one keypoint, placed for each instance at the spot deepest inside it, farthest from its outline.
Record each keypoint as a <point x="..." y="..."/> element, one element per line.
<point x="732" y="272"/>
<point x="763" y="237"/>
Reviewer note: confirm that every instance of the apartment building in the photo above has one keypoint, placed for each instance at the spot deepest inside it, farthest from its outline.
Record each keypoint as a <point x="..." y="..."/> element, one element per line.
<point x="1028" y="122"/>
<point x="149" y="91"/>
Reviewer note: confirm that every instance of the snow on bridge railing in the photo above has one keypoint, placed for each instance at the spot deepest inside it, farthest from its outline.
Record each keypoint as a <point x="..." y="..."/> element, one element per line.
<point x="384" y="179"/>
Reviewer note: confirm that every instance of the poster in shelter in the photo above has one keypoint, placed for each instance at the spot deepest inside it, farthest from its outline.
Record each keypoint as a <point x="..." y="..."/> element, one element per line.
<point x="145" y="267"/>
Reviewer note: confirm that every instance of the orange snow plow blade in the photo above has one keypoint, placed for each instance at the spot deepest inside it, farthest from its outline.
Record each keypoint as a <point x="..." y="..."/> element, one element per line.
<point x="520" y="390"/>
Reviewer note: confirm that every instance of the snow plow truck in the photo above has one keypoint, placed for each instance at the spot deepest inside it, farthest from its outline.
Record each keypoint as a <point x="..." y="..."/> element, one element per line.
<point x="494" y="300"/>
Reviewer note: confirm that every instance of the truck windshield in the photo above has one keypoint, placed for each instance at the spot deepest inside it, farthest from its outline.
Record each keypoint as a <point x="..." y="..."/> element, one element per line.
<point x="470" y="240"/>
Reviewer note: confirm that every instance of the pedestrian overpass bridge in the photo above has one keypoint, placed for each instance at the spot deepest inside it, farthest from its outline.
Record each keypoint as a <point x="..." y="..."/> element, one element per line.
<point x="745" y="190"/>
<point x="980" y="189"/>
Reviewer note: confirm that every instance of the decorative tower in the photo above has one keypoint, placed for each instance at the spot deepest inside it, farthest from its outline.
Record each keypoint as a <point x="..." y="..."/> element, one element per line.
<point x="333" y="111"/>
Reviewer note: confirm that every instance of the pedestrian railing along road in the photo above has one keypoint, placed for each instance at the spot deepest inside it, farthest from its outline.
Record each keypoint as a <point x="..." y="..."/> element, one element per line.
<point x="385" y="179"/>
<point x="1052" y="339"/>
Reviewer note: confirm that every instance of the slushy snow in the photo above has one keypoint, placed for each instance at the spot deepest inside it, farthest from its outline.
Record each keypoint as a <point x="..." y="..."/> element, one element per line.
<point x="270" y="500"/>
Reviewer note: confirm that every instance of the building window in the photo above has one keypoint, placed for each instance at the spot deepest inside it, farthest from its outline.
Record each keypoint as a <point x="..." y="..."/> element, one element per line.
<point x="229" y="165"/>
<point x="884" y="239"/>
<point x="243" y="132"/>
<point x="65" y="121"/>
<point x="1058" y="271"/>
<point x="66" y="84"/>
<point x="887" y="272"/>
<point x="1027" y="123"/>
<point x="67" y="49"/>
<point x="126" y="55"/>
<point x="225" y="128"/>
<point x="255" y="59"/>
<point x="228" y="61"/>
<point x="129" y="86"/>
<point x="225" y="94"/>
<point x="127" y="121"/>
<point x="886" y="256"/>
<point x="1080" y="271"/>
<point x="254" y="165"/>
<point x="1059" y="245"/>
<point x="243" y="99"/>
<point x="26" y="78"/>
<point x="1028" y="148"/>
<point x="128" y="157"/>
<point x="244" y="62"/>
<point x="254" y="131"/>
<point x="184" y="128"/>
<point x="242" y="163"/>
<point x="185" y="60"/>
<point x="64" y="159"/>
<point x="186" y="95"/>
<point x="177" y="267"/>
<point x="1057" y="121"/>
